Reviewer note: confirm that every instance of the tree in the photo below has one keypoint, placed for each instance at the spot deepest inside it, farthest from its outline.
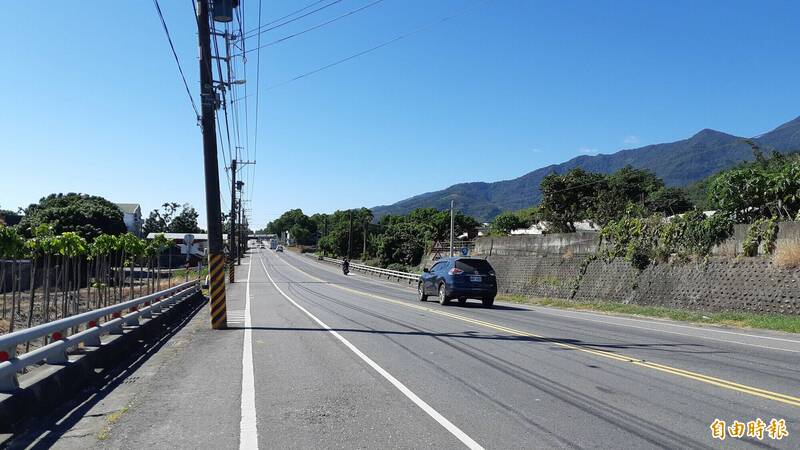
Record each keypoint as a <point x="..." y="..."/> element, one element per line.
<point x="580" y="195"/>
<point x="764" y="188"/>
<point x="185" y="222"/>
<point x="505" y="222"/>
<point x="668" y="201"/>
<point x="569" y="198"/>
<point x="300" y="226"/>
<point x="161" y="220"/>
<point x="84" y="214"/>
<point x="402" y="243"/>
<point x="623" y="187"/>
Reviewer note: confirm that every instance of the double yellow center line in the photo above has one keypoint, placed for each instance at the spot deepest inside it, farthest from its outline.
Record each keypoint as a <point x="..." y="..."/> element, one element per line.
<point x="763" y="393"/>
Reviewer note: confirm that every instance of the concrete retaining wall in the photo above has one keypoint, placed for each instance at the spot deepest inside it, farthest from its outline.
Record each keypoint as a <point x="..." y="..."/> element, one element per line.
<point x="721" y="284"/>
<point x="587" y="242"/>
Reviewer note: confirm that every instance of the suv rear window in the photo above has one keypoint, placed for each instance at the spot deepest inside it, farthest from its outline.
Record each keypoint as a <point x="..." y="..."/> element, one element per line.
<point x="478" y="266"/>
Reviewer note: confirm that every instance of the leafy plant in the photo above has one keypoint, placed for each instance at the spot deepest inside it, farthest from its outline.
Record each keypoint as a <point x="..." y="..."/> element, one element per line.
<point x="643" y="240"/>
<point x="761" y="231"/>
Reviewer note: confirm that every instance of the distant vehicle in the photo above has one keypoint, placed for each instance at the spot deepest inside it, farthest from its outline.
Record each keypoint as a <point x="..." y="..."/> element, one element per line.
<point x="279" y="248"/>
<point x="273" y="244"/>
<point x="460" y="278"/>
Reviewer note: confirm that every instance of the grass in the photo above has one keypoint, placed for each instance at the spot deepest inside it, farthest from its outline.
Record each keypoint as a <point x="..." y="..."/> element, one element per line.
<point x="111" y="419"/>
<point x="787" y="256"/>
<point x="192" y="273"/>
<point x="778" y="322"/>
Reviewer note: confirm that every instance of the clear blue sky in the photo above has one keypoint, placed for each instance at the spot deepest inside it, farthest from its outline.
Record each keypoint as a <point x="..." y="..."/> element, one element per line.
<point x="93" y="101"/>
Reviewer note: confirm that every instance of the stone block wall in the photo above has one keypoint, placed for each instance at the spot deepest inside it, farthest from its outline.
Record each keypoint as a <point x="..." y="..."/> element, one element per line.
<point x="720" y="284"/>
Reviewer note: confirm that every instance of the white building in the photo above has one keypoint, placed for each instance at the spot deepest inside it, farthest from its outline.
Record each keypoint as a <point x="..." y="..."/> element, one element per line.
<point x="132" y="216"/>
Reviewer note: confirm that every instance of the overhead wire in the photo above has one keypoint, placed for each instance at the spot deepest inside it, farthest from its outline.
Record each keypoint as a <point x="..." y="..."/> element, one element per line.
<point x="260" y="31"/>
<point x="315" y="27"/>
<point x="177" y="61"/>
<point x="258" y="84"/>
<point x="379" y="46"/>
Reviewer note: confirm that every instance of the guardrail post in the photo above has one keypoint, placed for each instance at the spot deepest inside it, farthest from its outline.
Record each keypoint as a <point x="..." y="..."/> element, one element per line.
<point x="147" y="312"/>
<point x="9" y="382"/>
<point x="133" y="321"/>
<point x="59" y="355"/>
<point x="116" y="327"/>
<point x="94" y="339"/>
<point x="8" y="354"/>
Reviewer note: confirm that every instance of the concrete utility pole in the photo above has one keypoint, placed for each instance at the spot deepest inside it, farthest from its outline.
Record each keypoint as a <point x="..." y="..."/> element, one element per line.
<point x="216" y="255"/>
<point x="452" y="223"/>
<point x="233" y="250"/>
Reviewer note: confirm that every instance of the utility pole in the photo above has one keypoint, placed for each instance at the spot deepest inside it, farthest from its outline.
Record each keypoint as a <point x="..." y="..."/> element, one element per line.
<point x="239" y="243"/>
<point x="216" y="255"/>
<point x="350" y="234"/>
<point x="452" y="223"/>
<point x="233" y="250"/>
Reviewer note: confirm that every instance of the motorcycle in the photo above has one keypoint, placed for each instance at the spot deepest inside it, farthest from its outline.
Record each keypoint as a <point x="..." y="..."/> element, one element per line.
<point x="345" y="268"/>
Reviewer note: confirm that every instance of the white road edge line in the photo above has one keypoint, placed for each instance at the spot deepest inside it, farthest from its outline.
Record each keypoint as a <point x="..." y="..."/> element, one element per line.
<point x="727" y="341"/>
<point x="248" y="427"/>
<point x="449" y="426"/>
<point x="578" y="315"/>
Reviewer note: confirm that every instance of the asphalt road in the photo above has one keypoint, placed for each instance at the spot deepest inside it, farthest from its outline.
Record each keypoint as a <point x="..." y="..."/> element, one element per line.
<point x="320" y="360"/>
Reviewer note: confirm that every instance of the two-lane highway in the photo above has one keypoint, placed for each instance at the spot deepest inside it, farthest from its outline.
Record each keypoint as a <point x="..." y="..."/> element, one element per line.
<point x="514" y="377"/>
<point x="315" y="359"/>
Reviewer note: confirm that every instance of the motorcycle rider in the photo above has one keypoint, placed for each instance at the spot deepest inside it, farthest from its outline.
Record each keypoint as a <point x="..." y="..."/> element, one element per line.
<point x="345" y="265"/>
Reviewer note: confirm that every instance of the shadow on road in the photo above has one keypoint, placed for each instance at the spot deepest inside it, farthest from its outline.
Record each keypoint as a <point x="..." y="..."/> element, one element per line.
<point x="42" y="433"/>
<point x="498" y="337"/>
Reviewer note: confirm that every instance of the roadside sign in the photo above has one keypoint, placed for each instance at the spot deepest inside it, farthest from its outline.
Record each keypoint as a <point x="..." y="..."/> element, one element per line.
<point x="464" y="251"/>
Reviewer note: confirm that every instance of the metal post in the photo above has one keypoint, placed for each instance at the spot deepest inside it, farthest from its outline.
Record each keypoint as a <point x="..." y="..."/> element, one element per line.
<point x="233" y="251"/>
<point x="216" y="255"/>
<point x="452" y="223"/>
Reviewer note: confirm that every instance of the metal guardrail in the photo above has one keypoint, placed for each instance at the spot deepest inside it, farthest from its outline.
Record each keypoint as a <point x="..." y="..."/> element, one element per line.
<point x="411" y="277"/>
<point x="56" y="352"/>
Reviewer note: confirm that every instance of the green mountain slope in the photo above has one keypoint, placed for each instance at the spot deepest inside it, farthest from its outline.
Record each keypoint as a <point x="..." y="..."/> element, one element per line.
<point x="678" y="163"/>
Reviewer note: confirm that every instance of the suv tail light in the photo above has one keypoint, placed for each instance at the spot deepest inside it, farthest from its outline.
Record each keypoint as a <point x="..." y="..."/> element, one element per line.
<point x="455" y="271"/>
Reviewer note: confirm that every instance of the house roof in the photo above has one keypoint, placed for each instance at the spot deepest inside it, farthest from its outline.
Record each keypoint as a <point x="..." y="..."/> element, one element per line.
<point x="129" y="208"/>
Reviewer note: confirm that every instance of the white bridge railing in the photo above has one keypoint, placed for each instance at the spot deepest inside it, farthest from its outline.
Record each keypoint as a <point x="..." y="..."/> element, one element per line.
<point x="56" y="352"/>
<point x="389" y="274"/>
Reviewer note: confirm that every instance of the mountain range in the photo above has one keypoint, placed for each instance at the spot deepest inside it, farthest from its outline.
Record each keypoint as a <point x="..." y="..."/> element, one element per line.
<point x="678" y="163"/>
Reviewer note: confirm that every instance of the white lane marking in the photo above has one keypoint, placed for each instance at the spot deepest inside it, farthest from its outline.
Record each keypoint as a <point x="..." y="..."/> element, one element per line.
<point x="248" y="428"/>
<point x="757" y="336"/>
<point x="579" y="316"/>
<point x="449" y="426"/>
<point x="727" y="341"/>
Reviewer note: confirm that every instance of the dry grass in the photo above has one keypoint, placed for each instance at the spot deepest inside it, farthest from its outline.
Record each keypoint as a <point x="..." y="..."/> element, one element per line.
<point x="787" y="256"/>
<point x="780" y="322"/>
<point x="111" y="419"/>
<point x="567" y="253"/>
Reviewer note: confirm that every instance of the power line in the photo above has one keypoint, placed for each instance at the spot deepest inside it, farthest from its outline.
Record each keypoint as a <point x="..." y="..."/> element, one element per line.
<point x="177" y="61"/>
<point x="286" y="16"/>
<point x="258" y="84"/>
<point x="377" y="47"/>
<point x="347" y="14"/>
<point x="259" y="30"/>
